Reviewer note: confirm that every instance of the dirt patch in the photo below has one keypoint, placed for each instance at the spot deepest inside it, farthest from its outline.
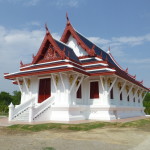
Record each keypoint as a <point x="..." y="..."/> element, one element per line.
<point x="104" y="138"/>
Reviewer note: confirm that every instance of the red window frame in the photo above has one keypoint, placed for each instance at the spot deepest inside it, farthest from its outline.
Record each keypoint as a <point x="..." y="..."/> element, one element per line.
<point x="94" y="90"/>
<point x="128" y="98"/>
<point x="112" y="93"/>
<point x="79" y="92"/>
<point x="121" y="96"/>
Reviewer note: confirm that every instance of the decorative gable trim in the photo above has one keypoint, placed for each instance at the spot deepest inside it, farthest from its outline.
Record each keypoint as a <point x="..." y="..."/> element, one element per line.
<point x="69" y="30"/>
<point x="49" y="44"/>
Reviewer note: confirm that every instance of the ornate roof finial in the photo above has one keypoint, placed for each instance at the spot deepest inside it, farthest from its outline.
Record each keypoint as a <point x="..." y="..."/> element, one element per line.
<point x="141" y="82"/>
<point x="108" y="50"/>
<point x="47" y="31"/>
<point x="68" y="22"/>
<point x="21" y="63"/>
<point x="126" y="70"/>
<point x="134" y="76"/>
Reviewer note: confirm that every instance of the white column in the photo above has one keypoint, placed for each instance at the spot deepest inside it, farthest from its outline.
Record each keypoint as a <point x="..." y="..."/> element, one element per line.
<point x="19" y="85"/>
<point x="31" y="112"/>
<point x="11" y="110"/>
<point x="114" y="81"/>
<point x="24" y="80"/>
<point x="106" y="98"/>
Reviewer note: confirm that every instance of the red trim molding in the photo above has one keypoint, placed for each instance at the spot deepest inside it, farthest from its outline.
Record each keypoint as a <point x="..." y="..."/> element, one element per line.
<point x="69" y="30"/>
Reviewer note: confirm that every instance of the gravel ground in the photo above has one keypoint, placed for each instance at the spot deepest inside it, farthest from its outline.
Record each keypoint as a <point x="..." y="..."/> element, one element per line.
<point x="97" y="139"/>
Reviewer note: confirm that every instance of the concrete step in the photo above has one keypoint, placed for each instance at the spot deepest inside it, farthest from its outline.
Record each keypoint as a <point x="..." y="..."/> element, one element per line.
<point x="23" y="116"/>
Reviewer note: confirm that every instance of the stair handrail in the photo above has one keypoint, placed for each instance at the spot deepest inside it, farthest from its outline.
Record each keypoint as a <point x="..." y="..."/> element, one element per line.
<point x="42" y="107"/>
<point x="20" y="108"/>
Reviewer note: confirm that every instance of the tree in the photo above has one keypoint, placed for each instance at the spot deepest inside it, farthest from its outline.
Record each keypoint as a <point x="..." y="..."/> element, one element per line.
<point x="146" y="103"/>
<point x="16" y="97"/>
<point x="5" y="98"/>
<point x="147" y="97"/>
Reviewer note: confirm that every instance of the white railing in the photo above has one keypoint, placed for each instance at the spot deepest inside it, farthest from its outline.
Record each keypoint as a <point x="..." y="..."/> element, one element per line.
<point x="37" y="111"/>
<point x="22" y="107"/>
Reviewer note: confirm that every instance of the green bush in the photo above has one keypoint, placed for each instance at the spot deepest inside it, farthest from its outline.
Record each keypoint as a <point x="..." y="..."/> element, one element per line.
<point x="146" y="103"/>
<point x="3" y="109"/>
<point x="6" y="99"/>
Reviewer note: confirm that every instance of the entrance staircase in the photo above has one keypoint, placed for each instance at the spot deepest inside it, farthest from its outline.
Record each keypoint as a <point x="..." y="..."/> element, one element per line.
<point x="24" y="116"/>
<point x="31" y="111"/>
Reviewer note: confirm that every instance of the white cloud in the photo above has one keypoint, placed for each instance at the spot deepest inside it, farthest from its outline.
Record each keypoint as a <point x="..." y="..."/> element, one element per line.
<point x="98" y="40"/>
<point x="70" y="3"/>
<point x="17" y="45"/>
<point x="118" y="43"/>
<point x="73" y="3"/>
<point x="59" y="3"/>
<point x="137" y="61"/>
<point x="24" y="2"/>
<point x="56" y="36"/>
<point x="131" y="40"/>
<point x="33" y="23"/>
<point x="31" y="2"/>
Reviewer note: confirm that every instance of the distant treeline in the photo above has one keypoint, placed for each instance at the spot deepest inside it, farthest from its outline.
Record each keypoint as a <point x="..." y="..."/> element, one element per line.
<point x="7" y="98"/>
<point x="146" y="103"/>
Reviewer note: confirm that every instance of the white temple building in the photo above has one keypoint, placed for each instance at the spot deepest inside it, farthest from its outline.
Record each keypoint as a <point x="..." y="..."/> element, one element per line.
<point x="73" y="79"/>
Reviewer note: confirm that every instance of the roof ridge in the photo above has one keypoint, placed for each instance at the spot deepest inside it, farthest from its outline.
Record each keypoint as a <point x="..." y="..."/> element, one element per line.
<point x="63" y="43"/>
<point x="91" y="41"/>
<point x="115" y="61"/>
<point x="110" y="55"/>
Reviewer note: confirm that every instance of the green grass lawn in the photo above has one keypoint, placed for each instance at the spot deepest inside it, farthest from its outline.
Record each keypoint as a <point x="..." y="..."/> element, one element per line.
<point x="143" y="123"/>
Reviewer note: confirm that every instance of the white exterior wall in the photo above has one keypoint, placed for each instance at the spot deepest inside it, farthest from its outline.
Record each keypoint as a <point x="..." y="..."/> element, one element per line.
<point x="77" y="48"/>
<point x="67" y="107"/>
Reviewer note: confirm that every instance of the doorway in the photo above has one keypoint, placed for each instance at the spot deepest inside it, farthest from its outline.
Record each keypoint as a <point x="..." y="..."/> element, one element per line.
<point x="44" y="89"/>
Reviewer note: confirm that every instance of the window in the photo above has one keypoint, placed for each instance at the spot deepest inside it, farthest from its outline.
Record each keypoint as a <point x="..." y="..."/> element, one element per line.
<point x="112" y="93"/>
<point x="121" y="96"/>
<point x="134" y="99"/>
<point x="94" y="90"/>
<point x="128" y="98"/>
<point x="138" y="100"/>
<point x="79" y="92"/>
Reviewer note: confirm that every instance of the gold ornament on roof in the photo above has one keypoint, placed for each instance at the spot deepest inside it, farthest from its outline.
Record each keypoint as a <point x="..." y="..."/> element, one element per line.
<point x="119" y="85"/>
<point x="56" y="79"/>
<point x="77" y="82"/>
<point x="133" y="91"/>
<point x="127" y="88"/>
<point x="71" y="79"/>
<point x="138" y="92"/>
<point x="109" y="81"/>
<point x="143" y="94"/>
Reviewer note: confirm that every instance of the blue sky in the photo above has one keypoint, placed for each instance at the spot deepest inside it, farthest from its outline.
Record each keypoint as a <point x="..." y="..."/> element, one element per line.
<point x="124" y="25"/>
